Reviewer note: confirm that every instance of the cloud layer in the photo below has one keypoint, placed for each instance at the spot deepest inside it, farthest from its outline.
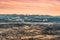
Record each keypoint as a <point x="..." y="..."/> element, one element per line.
<point x="50" y="7"/>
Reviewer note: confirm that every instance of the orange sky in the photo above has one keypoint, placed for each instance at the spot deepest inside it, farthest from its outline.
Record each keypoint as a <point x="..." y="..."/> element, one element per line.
<point x="42" y="7"/>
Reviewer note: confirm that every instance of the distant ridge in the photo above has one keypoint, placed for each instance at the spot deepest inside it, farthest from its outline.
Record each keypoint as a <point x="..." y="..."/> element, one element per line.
<point x="28" y="18"/>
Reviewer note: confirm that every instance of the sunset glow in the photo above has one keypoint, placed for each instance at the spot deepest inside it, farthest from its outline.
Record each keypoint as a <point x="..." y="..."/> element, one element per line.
<point x="42" y="7"/>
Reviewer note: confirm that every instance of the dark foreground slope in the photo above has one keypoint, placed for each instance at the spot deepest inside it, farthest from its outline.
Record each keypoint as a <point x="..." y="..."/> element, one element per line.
<point x="29" y="33"/>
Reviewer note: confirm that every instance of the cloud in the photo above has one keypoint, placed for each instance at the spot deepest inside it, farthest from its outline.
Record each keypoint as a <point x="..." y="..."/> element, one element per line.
<point x="30" y="6"/>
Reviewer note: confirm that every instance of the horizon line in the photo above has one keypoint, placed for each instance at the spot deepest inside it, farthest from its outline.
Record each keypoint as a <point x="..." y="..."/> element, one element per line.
<point x="30" y="14"/>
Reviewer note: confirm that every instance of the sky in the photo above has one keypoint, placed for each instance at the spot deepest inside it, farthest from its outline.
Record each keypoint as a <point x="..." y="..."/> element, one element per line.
<point x="40" y="7"/>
